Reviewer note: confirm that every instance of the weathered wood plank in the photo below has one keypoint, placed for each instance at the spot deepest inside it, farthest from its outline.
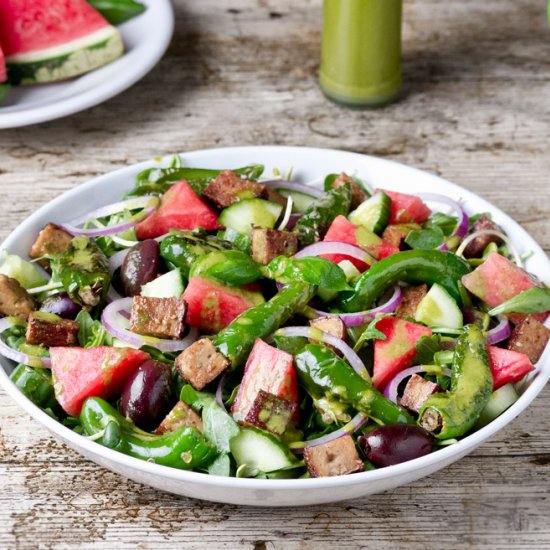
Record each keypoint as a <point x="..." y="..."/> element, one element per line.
<point x="475" y="110"/>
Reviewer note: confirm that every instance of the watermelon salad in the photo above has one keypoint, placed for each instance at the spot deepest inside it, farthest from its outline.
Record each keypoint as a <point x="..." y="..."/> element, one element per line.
<point x="236" y="324"/>
<point x="48" y="41"/>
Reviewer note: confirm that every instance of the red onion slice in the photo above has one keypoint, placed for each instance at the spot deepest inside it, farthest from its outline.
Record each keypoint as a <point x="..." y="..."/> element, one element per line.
<point x="295" y="186"/>
<point x="511" y="248"/>
<point x="147" y="204"/>
<point x="115" y="317"/>
<point x="352" y="426"/>
<point x="463" y="220"/>
<point x="315" y="334"/>
<point x="219" y="393"/>
<point x="364" y="317"/>
<point x="500" y="332"/>
<point x="336" y="247"/>
<point x="17" y="356"/>
<point x="390" y="391"/>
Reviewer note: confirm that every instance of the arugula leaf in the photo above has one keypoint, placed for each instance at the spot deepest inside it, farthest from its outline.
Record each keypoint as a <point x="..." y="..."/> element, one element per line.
<point x="219" y="427"/>
<point x="425" y="239"/>
<point x="92" y="333"/>
<point x="221" y="466"/>
<point x="533" y="300"/>
<point x="371" y="332"/>
<point x="426" y="348"/>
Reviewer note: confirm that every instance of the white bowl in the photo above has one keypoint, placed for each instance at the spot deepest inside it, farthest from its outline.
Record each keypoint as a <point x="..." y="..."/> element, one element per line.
<point x="145" y="37"/>
<point x="309" y="164"/>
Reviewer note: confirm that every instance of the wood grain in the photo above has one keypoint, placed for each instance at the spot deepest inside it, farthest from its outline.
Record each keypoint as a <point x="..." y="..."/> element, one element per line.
<point x="475" y="109"/>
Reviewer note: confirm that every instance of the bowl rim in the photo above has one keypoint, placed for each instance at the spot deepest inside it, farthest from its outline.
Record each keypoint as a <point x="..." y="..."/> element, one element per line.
<point x="443" y="455"/>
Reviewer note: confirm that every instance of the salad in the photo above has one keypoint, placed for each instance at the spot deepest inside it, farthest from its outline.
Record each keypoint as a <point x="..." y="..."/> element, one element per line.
<point x="236" y="324"/>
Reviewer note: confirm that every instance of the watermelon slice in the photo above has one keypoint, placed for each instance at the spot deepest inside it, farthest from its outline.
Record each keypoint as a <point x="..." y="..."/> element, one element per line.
<point x="269" y="369"/>
<point x="3" y="77"/>
<point x="79" y="373"/>
<point x="498" y="279"/>
<point x="407" y="208"/>
<point x="343" y="230"/>
<point x="180" y="208"/>
<point x="211" y="306"/>
<point x="398" y="351"/>
<point x="508" y="366"/>
<point x="55" y="40"/>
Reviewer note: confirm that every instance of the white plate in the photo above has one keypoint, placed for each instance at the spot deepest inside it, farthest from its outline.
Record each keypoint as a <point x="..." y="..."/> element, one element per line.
<point x="145" y="37"/>
<point x="308" y="164"/>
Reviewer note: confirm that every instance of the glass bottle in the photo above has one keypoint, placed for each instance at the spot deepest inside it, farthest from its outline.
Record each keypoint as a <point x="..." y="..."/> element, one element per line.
<point x="361" y="51"/>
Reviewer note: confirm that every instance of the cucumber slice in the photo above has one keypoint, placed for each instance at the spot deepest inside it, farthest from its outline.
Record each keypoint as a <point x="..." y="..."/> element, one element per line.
<point x="349" y="269"/>
<point x="374" y="213"/>
<point x="242" y="215"/>
<point x="438" y="309"/>
<point x="498" y="402"/>
<point x="301" y="201"/>
<point x="261" y="451"/>
<point x="168" y="285"/>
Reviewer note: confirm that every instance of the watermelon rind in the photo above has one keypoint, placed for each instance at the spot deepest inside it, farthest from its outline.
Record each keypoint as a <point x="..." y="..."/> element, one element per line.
<point x="66" y="60"/>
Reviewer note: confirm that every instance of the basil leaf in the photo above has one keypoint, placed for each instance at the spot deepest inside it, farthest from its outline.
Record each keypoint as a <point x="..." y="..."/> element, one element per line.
<point x="533" y="300"/>
<point x="118" y="11"/>
<point x="446" y="223"/>
<point x="425" y="239"/>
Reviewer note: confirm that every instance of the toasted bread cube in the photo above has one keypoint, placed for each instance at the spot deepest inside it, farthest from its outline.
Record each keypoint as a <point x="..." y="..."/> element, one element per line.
<point x="335" y="458"/>
<point x="412" y="296"/>
<point x="51" y="241"/>
<point x="181" y="415"/>
<point x="529" y="336"/>
<point x="62" y="332"/>
<point x="201" y="363"/>
<point x="396" y="234"/>
<point x="357" y="194"/>
<point x="270" y="412"/>
<point x="228" y="188"/>
<point x="417" y="392"/>
<point x="270" y="243"/>
<point x="330" y="324"/>
<point x="160" y="317"/>
<point x="273" y="195"/>
<point x="14" y="299"/>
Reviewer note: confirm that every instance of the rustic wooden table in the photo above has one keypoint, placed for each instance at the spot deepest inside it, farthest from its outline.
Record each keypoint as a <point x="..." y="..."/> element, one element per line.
<point x="475" y="109"/>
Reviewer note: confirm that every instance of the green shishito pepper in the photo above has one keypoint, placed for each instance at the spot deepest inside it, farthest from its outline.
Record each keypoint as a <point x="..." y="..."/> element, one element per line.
<point x="159" y="180"/>
<point x="236" y="340"/>
<point x="182" y="248"/>
<point x="325" y="376"/>
<point x="453" y="413"/>
<point x="83" y="270"/>
<point x="313" y="225"/>
<point x="230" y="267"/>
<point x="36" y="384"/>
<point x="411" y="266"/>
<point x="184" y="448"/>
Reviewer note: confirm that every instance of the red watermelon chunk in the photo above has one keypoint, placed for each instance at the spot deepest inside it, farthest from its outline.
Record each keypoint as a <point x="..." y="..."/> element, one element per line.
<point x="398" y="351"/>
<point x="343" y="230"/>
<point x="269" y="369"/>
<point x="497" y="280"/>
<point x="79" y="373"/>
<point x="508" y="366"/>
<point x="407" y="208"/>
<point x="180" y="208"/>
<point x="211" y="306"/>
<point x="3" y="74"/>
